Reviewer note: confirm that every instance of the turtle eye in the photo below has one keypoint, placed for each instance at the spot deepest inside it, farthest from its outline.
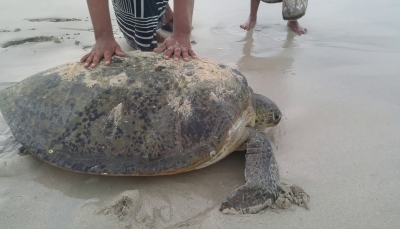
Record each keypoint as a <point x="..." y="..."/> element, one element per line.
<point x="277" y="117"/>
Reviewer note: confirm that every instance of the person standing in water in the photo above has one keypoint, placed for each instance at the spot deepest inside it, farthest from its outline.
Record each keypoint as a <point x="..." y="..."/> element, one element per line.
<point x="292" y="10"/>
<point x="139" y="20"/>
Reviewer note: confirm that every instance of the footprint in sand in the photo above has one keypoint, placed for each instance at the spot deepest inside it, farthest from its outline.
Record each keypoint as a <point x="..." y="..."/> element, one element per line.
<point x="132" y="208"/>
<point x="53" y="19"/>
<point x="7" y="31"/>
<point x="31" y="40"/>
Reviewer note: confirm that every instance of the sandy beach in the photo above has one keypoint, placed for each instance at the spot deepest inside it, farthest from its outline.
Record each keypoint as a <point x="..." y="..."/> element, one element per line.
<point x="339" y="139"/>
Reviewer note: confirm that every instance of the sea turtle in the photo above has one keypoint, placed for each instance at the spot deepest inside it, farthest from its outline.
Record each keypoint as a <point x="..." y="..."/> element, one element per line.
<point x="145" y="116"/>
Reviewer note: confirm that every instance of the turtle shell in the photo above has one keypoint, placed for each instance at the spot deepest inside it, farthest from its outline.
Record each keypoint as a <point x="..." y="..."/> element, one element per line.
<point x="142" y="115"/>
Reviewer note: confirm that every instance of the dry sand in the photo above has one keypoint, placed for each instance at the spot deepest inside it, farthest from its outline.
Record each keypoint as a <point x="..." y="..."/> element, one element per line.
<point x="337" y="86"/>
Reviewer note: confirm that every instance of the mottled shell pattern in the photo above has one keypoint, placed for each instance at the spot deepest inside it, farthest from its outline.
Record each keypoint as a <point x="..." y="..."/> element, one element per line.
<point x="141" y="116"/>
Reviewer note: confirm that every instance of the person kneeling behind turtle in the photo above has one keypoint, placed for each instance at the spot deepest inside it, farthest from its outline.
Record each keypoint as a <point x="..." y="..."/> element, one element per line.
<point x="139" y="21"/>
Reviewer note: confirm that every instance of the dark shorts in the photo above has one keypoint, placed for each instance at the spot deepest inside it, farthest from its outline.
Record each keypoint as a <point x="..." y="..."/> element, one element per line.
<point x="138" y="21"/>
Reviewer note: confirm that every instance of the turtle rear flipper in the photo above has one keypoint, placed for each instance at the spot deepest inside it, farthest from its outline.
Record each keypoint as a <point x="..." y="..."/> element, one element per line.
<point x="261" y="174"/>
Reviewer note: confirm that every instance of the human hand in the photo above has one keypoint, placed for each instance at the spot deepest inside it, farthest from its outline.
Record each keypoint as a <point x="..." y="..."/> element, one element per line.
<point x="105" y="47"/>
<point x="177" y="45"/>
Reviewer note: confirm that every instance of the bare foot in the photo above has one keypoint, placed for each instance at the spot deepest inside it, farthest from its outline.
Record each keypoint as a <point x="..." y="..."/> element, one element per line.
<point x="295" y="26"/>
<point x="251" y="22"/>
<point x="160" y="38"/>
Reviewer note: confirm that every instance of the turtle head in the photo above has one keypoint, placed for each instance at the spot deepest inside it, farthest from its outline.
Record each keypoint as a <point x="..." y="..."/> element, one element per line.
<point x="267" y="112"/>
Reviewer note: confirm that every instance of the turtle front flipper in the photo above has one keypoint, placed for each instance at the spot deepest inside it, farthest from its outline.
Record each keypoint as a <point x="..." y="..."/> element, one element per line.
<point x="261" y="174"/>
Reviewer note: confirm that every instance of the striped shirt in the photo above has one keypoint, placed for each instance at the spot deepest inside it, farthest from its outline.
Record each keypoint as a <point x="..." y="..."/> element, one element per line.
<point x="138" y="20"/>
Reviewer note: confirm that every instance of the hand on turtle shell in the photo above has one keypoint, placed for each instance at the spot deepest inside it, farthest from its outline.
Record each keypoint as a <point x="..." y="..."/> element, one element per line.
<point x="177" y="45"/>
<point x="105" y="47"/>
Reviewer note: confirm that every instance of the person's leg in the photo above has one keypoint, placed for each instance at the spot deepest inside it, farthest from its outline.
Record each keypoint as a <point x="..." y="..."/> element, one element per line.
<point x="292" y="10"/>
<point x="168" y="20"/>
<point x="165" y="23"/>
<point x="251" y="21"/>
<point x="296" y="27"/>
<point x="169" y="15"/>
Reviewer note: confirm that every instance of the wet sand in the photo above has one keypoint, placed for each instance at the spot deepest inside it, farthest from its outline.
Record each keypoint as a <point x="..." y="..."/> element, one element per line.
<point x="337" y="86"/>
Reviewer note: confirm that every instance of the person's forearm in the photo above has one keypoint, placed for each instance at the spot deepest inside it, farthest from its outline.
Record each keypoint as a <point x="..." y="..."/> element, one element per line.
<point x="183" y="10"/>
<point x="100" y="15"/>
